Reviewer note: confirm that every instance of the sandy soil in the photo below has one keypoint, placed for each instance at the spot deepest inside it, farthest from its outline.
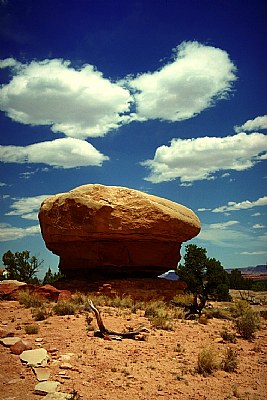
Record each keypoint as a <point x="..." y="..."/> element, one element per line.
<point x="163" y="366"/>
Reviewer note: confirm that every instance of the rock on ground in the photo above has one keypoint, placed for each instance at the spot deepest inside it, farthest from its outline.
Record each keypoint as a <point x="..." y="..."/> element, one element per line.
<point x="113" y="229"/>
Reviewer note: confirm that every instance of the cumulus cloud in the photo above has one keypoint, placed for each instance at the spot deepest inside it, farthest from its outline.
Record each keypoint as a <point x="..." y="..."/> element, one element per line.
<point x="201" y="158"/>
<point x="8" y="232"/>
<point x="255" y="124"/>
<point x="78" y="102"/>
<point x="27" y="207"/>
<point x="253" y="253"/>
<point x="81" y="102"/>
<point x="243" y="205"/>
<point x="258" y="226"/>
<point x="223" y="225"/>
<point x="222" y="235"/>
<point x="64" y="152"/>
<point x="196" y="78"/>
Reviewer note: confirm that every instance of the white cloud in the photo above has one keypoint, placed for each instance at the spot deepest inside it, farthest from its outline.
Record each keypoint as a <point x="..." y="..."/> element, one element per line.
<point x="243" y="205"/>
<point x="65" y="153"/>
<point x="255" y="124"/>
<point x="78" y="102"/>
<point x="253" y="253"/>
<point x="27" y="207"/>
<point x="8" y="232"/>
<point x="258" y="226"/>
<point x="203" y="209"/>
<point x="198" y="76"/>
<point x="222" y="235"/>
<point x="257" y="214"/>
<point x="223" y="225"/>
<point x="2" y="184"/>
<point x="8" y="63"/>
<point x="200" y="158"/>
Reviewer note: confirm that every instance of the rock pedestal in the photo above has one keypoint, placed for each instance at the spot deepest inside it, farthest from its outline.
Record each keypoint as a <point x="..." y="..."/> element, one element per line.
<point x="109" y="229"/>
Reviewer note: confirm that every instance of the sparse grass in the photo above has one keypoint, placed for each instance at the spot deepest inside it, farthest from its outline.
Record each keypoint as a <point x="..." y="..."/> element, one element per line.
<point x="40" y="314"/>
<point x="218" y="312"/>
<point x="31" y="329"/>
<point x="160" y="315"/>
<point x="161" y="322"/>
<point x="29" y="300"/>
<point x="183" y="299"/>
<point x="64" y="308"/>
<point x="228" y="336"/>
<point x="238" y="308"/>
<point x="207" y="362"/>
<point x="229" y="361"/>
<point x="155" y="308"/>
<point x="248" y="323"/>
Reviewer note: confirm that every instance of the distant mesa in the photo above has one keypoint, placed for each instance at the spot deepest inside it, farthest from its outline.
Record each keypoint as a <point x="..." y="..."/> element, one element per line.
<point x="112" y="230"/>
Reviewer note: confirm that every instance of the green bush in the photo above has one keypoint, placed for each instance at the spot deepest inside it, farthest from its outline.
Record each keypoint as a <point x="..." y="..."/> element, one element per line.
<point x="40" y="314"/>
<point x="247" y="323"/>
<point x="64" y="308"/>
<point x="29" y="300"/>
<point x="229" y="361"/>
<point x="207" y="362"/>
<point x="31" y="329"/>
<point x="228" y="336"/>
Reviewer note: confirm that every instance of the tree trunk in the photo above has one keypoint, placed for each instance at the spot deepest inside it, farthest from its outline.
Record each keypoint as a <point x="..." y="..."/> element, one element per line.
<point x="109" y="333"/>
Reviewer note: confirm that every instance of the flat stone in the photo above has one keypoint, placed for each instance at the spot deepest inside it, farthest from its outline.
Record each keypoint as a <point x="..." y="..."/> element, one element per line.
<point x="42" y="373"/>
<point x="9" y="341"/>
<point x="35" y="358"/>
<point x="66" y="357"/>
<point x="66" y="366"/>
<point x="47" y="387"/>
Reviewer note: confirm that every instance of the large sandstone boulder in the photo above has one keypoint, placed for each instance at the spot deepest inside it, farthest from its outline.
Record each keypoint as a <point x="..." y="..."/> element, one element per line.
<point x="106" y="229"/>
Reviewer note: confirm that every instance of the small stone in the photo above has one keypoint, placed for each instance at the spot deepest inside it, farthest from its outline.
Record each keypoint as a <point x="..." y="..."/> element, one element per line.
<point x="9" y="341"/>
<point x="19" y="347"/>
<point x="42" y="374"/>
<point x="218" y="340"/>
<point x="52" y="350"/>
<point x="47" y="387"/>
<point x="35" y="358"/>
<point x="66" y="357"/>
<point x="66" y="366"/>
<point x="39" y="339"/>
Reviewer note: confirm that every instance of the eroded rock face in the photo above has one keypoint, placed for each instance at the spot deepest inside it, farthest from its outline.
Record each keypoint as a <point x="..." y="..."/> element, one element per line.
<point x="109" y="228"/>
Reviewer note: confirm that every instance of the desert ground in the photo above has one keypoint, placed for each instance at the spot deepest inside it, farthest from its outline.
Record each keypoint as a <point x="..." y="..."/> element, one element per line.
<point x="162" y="364"/>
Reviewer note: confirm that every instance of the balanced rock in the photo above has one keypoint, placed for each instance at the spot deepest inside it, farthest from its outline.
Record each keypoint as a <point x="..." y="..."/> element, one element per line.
<point x="106" y="229"/>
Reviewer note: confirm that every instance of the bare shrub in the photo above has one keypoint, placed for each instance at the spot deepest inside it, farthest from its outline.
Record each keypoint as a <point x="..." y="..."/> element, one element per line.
<point x="229" y="361"/>
<point x="31" y="329"/>
<point x="247" y="323"/>
<point x="64" y="308"/>
<point x="207" y="362"/>
<point x="29" y="300"/>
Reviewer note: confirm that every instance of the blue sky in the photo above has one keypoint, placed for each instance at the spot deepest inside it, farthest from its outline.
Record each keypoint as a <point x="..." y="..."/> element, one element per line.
<point x="167" y="97"/>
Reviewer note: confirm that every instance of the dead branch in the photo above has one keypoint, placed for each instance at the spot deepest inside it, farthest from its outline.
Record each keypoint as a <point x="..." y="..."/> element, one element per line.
<point x="107" y="332"/>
